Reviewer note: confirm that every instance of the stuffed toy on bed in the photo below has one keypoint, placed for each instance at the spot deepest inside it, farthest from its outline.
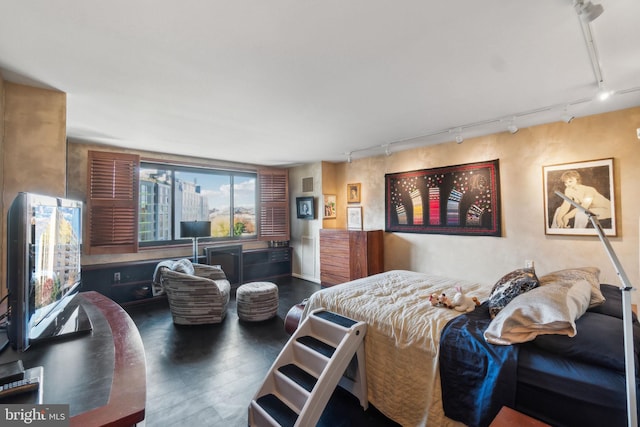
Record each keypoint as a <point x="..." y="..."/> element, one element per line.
<point x="461" y="302"/>
<point x="440" y="300"/>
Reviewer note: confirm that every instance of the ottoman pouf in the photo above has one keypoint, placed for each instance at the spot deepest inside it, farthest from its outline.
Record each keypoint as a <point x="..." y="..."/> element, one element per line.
<point x="257" y="301"/>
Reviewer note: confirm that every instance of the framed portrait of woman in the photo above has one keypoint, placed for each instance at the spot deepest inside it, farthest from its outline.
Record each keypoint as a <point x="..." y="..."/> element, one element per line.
<point x="590" y="184"/>
<point x="353" y="193"/>
<point x="305" y="207"/>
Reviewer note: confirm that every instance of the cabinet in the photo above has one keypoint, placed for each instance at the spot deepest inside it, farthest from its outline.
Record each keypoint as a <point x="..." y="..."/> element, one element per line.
<point x="242" y="266"/>
<point x="229" y="258"/>
<point x="130" y="282"/>
<point x="124" y="282"/>
<point x="260" y="264"/>
<point x="350" y="254"/>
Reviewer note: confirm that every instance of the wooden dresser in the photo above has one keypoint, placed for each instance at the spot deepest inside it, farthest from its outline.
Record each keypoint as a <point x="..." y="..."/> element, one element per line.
<point x="349" y="254"/>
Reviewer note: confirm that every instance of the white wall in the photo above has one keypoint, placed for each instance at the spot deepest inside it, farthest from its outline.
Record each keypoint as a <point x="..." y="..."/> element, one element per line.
<point x="304" y="233"/>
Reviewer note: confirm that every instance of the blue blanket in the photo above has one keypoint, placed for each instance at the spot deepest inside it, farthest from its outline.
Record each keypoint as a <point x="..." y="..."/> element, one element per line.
<point x="477" y="378"/>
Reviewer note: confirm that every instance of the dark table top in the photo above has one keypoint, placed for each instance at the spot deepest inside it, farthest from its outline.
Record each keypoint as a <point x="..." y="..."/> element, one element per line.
<point x="88" y="370"/>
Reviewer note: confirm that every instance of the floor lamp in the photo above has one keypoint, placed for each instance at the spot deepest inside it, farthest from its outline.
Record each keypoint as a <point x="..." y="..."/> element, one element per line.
<point x="195" y="230"/>
<point x="630" y="370"/>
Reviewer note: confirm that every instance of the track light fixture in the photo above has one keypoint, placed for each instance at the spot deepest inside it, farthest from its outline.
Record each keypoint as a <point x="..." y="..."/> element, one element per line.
<point x="459" y="137"/>
<point x="457" y="132"/>
<point x="588" y="11"/>
<point x="603" y="93"/>
<point x="566" y="116"/>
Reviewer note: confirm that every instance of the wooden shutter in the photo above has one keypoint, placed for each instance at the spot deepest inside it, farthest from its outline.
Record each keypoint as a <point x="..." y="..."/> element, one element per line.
<point x="273" y="221"/>
<point x="112" y="202"/>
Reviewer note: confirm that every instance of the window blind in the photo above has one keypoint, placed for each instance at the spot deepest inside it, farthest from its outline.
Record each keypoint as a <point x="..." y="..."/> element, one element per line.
<point x="273" y="218"/>
<point x="112" y="202"/>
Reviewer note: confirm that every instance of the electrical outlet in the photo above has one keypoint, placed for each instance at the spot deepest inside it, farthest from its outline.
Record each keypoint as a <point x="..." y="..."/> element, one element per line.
<point x="528" y="263"/>
<point x="116" y="277"/>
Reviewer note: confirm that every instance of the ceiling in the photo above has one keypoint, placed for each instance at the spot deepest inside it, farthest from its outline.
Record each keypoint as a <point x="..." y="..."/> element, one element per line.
<point x="284" y="82"/>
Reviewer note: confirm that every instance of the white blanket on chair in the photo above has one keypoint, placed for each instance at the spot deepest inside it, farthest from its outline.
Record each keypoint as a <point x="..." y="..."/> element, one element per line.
<point x="156" y="285"/>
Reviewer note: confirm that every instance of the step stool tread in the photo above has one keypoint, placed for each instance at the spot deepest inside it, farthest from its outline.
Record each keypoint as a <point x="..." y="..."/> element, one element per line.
<point x="336" y="318"/>
<point x="317" y="345"/>
<point x="299" y="376"/>
<point x="278" y="410"/>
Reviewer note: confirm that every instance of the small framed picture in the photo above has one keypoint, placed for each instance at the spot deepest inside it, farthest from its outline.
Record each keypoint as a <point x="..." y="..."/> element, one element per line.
<point x="354" y="218"/>
<point x="589" y="184"/>
<point x="353" y="193"/>
<point x="329" y="206"/>
<point x="305" y="207"/>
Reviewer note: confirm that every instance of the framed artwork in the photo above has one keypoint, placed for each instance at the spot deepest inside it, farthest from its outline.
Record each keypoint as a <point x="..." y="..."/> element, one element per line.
<point x="329" y="206"/>
<point x="461" y="199"/>
<point x="353" y="193"/>
<point x="354" y="218"/>
<point x="305" y="207"/>
<point x="589" y="184"/>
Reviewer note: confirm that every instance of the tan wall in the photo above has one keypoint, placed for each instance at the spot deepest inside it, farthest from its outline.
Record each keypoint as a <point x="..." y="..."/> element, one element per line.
<point x="34" y="141"/>
<point x="33" y="146"/>
<point x="77" y="189"/>
<point x="522" y="156"/>
<point x="33" y="155"/>
<point x="330" y="186"/>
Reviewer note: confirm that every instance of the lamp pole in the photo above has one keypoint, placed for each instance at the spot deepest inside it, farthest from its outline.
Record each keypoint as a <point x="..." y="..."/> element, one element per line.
<point x="630" y="369"/>
<point x="195" y="230"/>
<point x="195" y="250"/>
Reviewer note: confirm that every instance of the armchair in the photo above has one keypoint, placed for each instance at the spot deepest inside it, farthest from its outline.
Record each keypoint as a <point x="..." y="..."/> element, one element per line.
<point x="196" y="297"/>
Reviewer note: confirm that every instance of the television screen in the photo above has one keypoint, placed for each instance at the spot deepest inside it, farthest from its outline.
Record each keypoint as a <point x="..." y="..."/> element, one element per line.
<point x="56" y="247"/>
<point x="44" y="239"/>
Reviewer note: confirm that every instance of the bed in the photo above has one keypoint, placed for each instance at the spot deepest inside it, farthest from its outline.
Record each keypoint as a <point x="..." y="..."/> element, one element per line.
<point x="401" y="346"/>
<point x="552" y="379"/>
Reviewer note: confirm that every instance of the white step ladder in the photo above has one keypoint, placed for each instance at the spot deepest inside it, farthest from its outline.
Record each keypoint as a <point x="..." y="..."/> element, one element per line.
<point x="308" y="369"/>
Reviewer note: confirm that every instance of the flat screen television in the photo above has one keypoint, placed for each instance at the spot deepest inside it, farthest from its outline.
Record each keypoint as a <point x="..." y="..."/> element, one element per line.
<point x="44" y="245"/>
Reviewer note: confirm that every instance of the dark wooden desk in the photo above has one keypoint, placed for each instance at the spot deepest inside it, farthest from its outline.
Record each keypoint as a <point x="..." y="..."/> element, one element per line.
<point x="101" y="374"/>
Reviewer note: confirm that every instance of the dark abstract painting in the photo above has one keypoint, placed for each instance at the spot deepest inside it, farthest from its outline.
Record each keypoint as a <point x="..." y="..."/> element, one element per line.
<point x="462" y="199"/>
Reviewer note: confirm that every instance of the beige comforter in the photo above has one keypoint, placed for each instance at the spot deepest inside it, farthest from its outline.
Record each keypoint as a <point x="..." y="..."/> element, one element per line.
<point x="402" y="342"/>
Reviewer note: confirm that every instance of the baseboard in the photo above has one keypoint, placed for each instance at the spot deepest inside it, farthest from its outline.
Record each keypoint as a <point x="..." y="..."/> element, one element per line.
<point x="309" y="279"/>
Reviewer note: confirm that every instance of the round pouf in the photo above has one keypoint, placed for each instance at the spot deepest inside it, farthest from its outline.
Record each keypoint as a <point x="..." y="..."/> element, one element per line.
<point x="257" y="301"/>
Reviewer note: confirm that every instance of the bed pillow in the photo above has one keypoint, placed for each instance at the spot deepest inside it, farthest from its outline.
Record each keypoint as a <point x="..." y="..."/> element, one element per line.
<point x="612" y="305"/>
<point x="183" y="266"/>
<point x="590" y="274"/>
<point x="510" y="286"/>
<point x="550" y="309"/>
<point x="599" y="341"/>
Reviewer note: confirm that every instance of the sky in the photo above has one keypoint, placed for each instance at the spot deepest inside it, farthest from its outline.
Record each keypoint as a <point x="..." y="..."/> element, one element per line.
<point x="217" y="189"/>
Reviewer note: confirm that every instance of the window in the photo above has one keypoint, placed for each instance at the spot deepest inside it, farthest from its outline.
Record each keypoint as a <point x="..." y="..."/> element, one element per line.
<point x="132" y="203"/>
<point x="170" y="194"/>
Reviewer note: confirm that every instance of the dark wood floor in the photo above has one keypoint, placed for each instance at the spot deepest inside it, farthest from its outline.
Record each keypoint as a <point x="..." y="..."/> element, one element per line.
<point x="207" y="375"/>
